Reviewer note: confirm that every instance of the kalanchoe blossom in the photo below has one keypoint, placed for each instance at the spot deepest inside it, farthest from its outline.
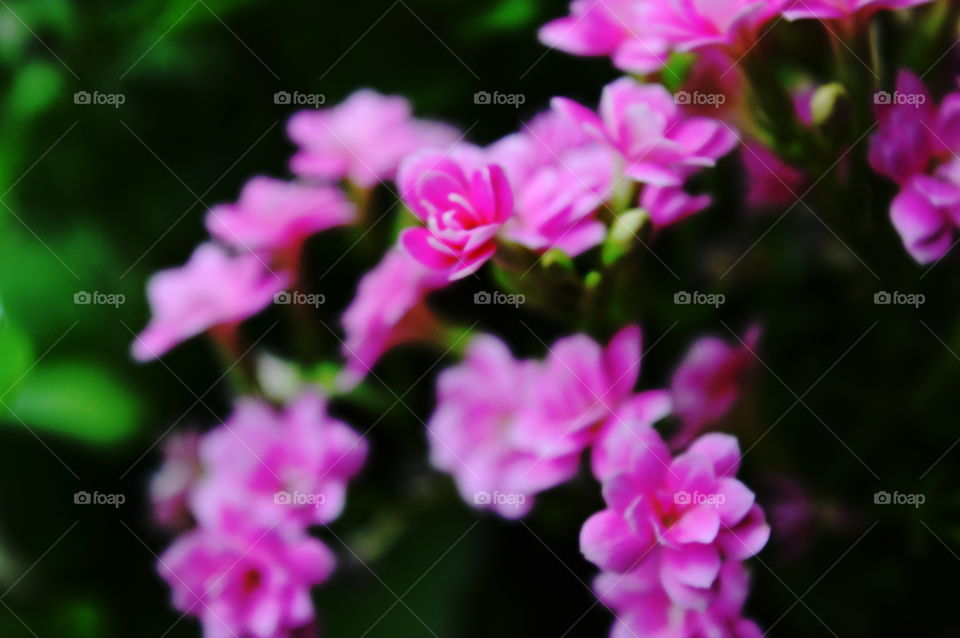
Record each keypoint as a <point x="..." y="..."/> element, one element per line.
<point x="840" y="9"/>
<point x="171" y="485"/>
<point x="290" y="466"/>
<point x="671" y="204"/>
<point x="273" y="214"/>
<point x="708" y="381"/>
<point x="659" y="144"/>
<point x="770" y="181"/>
<point x="363" y="139"/>
<point x="691" y="25"/>
<point x="689" y="511"/>
<point x="211" y="289"/>
<point x="926" y="213"/>
<point x="906" y="139"/>
<point x="463" y="206"/>
<point x="245" y="581"/>
<point x="473" y="433"/>
<point x="388" y="309"/>
<point x="644" y="609"/>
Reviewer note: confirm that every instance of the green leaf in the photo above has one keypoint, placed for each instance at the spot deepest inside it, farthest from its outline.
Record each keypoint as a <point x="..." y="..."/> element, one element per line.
<point x="35" y="88"/>
<point x="16" y="356"/>
<point x="76" y="399"/>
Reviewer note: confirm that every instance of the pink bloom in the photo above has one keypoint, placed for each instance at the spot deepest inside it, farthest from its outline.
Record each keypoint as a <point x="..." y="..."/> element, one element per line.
<point x="462" y="206"/>
<point x="660" y="145"/>
<point x="671" y="204"/>
<point x="273" y="214"/>
<point x="387" y="309"/>
<point x="692" y="24"/>
<point x="905" y="141"/>
<point x="645" y="610"/>
<point x="362" y="139"/>
<point x="707" y="382"/>
<point x="245" y="581"/>
<point x="213" y="288"/>
<point x="690" y="511"/>
<point x="473" y="431"/>
<point x="172" y="483"/>
<point x="770" y="181"/>
<point x="290" y="466"/>
<point x="926" y="213"/>
<point x="838" y="9"/>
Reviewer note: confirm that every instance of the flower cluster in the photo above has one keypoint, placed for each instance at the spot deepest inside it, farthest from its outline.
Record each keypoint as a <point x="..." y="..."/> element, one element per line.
<point x="253" y="486"/>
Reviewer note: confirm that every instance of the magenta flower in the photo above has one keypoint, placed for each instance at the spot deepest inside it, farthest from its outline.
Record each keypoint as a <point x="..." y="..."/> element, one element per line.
<point x="211" y="289"/>
<point x="245" y="581"/>
<point x="770" y="180"/>
<point x="926" y="213"/>
<point x="644" y="609"/>
<point x="473" y="431"/>
<point x="839" y="9"/>
<point x="689" y="510"/>
<point x="275" y="215"/>
<point x="906" y="139"/>
<point x="671" y="204"/>
<point x="387" y="309"/>
<point x="659" y="144"/>
<point x="707" y="382"/>
<point x="171" y="485"/>
<point x="363" y="139"/>
<point x="462" y="206"/>
<point x="690" y="25"/>
<point x="290" y="466"/>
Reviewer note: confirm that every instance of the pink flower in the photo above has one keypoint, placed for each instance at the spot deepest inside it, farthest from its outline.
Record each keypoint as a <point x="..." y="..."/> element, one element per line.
<point x="770" y="181"/>
<point x="387" y="309"/>
<point x="362" y="139"/>
<point x="172" y="483"/>
<point x="926" y="213"/>
<point x="690" y="25"/>
<point x="273" y="214"/>
<point x="668" y="205"/>
<point x="660" y="145"/>
<point x="707" y="382"/>
<point x="560" y="177"/>
<point x="644" y="609"/>
<point x="213" y="288"/>
<point x="905" y="141"/>
<point x="838" y="9"/>
<point x="245" y="581"/>
<point x="289" y="466"/>
<point x="690" y="511"/>
<point x="462" y="206"/>
<point x="473" y="433"/>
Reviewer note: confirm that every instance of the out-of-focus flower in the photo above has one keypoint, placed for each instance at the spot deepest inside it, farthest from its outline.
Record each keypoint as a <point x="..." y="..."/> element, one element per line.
<point x="839" y="9"/>
<point x="273" y="214"/>
<point x="473" y="431"/>
<point x="463" y="207"/>
<point x="211" y="289"/>
<point x="906" y="137"/>
<point x="362" y="139"/>
<point x="927" y="211"/>
<point x="245" y="581"/>
<point x="770" y="180"/>
<point x="708" y="381"/>
<point x="560" y="176"/>
<point x="644" y="609"/>
<point x="689" y="510"/>
<point x="691" y="25"/>
<point x="288" y="466"/>
<point x="671" y="204"/>
<point x="385" y="312"/>
<point x="172" y="483"/>
<point x="660" y="145"/>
